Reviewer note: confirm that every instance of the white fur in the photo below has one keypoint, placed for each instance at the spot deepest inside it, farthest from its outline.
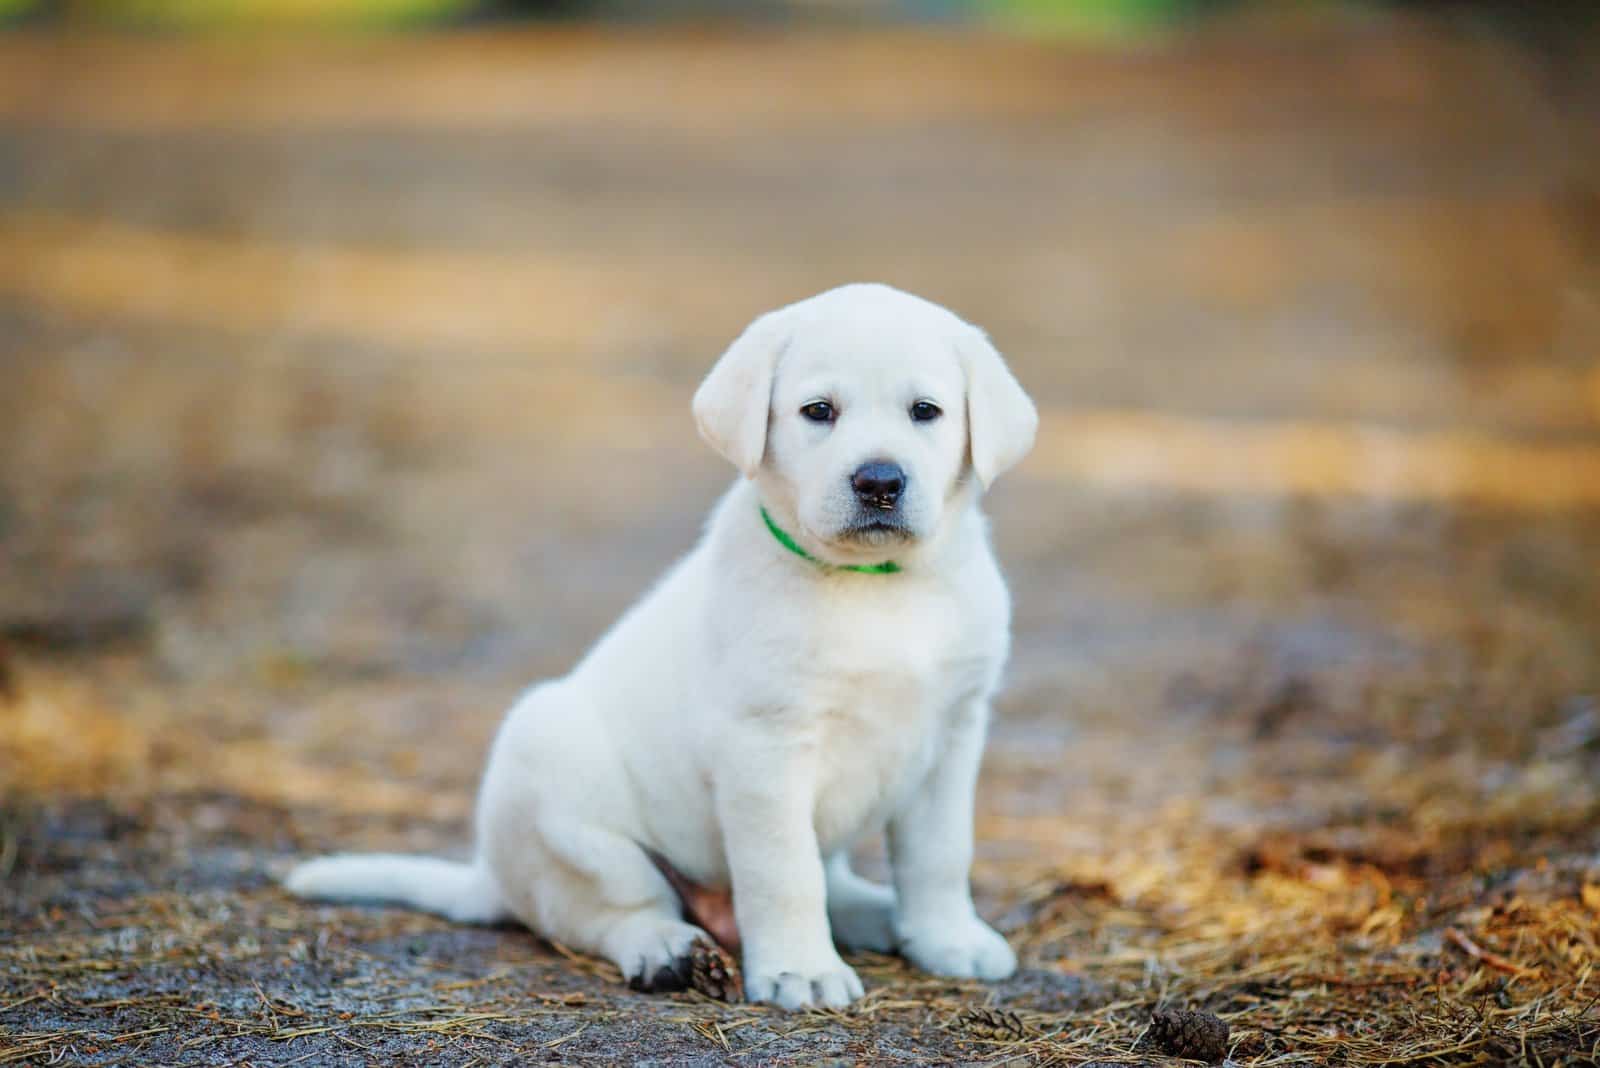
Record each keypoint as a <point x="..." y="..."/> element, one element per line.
<point x="757" y="714"/>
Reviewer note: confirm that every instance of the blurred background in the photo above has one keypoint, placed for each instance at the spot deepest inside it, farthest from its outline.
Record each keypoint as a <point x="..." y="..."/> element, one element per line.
<point x="345" y="356"/>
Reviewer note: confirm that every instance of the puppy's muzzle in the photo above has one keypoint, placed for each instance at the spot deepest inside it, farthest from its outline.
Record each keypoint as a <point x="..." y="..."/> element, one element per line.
<point x="879" y="485"/>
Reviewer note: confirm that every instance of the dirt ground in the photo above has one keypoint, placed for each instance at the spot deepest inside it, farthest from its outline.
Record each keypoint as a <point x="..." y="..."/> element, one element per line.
<point x="346" y="391"/>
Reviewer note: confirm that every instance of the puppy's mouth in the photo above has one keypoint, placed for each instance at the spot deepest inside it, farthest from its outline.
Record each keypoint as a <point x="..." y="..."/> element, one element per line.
<point x="877" y="529"/>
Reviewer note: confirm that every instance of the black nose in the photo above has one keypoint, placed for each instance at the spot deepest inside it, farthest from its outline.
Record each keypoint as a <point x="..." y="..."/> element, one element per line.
<point x="878" y="485"/>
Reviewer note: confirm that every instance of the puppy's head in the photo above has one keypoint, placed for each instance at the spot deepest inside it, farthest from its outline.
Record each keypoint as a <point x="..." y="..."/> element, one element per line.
<point x="862" y="412"/>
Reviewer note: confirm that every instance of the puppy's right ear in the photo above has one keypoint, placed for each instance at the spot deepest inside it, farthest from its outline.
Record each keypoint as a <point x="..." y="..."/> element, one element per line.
<point x="732" y="404"/>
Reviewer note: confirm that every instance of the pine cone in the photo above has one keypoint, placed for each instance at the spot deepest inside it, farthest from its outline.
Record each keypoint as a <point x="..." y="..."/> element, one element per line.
<point x="1198" y="1036"/>
<point x="713" y="972"/>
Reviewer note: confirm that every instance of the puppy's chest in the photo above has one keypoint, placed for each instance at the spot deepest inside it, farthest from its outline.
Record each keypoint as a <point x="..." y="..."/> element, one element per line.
<point x="883" y="701"/>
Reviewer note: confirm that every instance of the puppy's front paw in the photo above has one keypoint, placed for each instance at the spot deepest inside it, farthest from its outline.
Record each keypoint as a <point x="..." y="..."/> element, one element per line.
<point x="830" y="986"/>
<point x="965" y="949"/>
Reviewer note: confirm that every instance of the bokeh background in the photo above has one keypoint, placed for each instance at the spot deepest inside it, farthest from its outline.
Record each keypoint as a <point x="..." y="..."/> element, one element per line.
<point x="345" y="358"/>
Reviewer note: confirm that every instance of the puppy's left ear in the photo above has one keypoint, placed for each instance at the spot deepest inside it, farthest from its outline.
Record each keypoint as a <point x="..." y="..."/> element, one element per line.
<point x="732" y="404"/>
<point x="1001" y="420"/>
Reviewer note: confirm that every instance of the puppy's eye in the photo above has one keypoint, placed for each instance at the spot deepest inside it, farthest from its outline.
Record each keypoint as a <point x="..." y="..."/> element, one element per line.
<point x="819" y="412"/>
<point x="925" y="411"/>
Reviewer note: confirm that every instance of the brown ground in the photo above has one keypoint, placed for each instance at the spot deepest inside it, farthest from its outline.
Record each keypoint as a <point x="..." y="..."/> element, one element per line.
<point x="346" y="391"/>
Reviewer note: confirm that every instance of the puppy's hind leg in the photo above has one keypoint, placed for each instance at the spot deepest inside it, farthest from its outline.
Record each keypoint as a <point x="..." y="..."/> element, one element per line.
<point x="554" y="820"/>
<point x="597" y="891"/>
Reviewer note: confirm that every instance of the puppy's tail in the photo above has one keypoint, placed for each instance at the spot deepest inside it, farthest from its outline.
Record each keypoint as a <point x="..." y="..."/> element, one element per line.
<point x="465" y="893"/>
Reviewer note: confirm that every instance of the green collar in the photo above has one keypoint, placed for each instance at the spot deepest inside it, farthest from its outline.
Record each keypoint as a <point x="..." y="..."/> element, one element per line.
<point x="888" y="567"/>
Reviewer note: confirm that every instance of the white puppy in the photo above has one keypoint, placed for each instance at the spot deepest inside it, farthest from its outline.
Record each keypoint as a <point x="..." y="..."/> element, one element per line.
<point x="818" y="669"/>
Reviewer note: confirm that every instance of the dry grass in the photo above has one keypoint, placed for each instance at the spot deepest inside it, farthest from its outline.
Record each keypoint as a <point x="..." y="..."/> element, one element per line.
<point x="1409" y="902"/>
